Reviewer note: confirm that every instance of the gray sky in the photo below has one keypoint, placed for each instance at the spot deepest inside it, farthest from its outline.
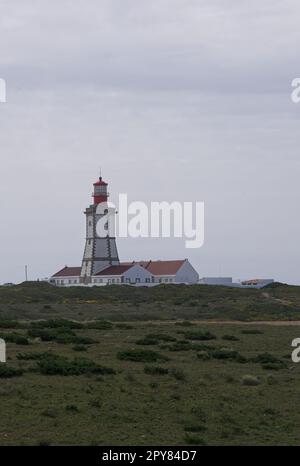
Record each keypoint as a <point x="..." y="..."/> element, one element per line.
<point x="176" y="100"/>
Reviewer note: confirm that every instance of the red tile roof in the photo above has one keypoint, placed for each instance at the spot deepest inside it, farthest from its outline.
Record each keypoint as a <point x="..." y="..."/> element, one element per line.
<point x="68" y="272"/>
<point x="160" y="267"/>
<point x="115" y="269"/>
<point x="154" y="267"/>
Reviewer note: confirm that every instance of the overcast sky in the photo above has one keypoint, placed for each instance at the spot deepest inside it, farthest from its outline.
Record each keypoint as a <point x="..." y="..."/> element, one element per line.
<point x="183" y="100"/>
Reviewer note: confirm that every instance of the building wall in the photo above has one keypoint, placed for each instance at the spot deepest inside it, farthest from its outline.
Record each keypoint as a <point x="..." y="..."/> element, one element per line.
<point x="107" y="280"/>
<point x="216" y="281"/>
<point x="137" y="274"/>
<point x="187" y="274"/>
<point x="65" y="281"/>
<point x="158" y="279"/>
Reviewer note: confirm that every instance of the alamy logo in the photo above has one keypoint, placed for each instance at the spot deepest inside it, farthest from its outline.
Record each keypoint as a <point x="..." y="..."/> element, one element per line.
<point x="295" y="353"/>
<point x="295" y="95"/>
<point x="2" y="350"/>
<point x="2" y="91"/>
<point x="156" y="220"/>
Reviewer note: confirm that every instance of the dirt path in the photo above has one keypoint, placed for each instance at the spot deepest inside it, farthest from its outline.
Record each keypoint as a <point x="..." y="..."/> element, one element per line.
<point x="274" y="323"/>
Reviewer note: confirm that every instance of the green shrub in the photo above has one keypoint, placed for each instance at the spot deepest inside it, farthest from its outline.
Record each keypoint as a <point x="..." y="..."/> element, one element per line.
<point x="8" y="372"/>
<point x="20" y="340"/>
<point x="100" y="325"/>
<point x="250" y="380"/>
<point x="43" y="443"/>
<point x="224" y="353"/>
<point x="59" y="365"/>
<point x="195" y="428"/>
<point x="199" y="335"/>
<point x="32" y="356"/>
<point x="49" y="412"/>
<point x="153" y="385"/>
<point x="181" y="345"/>
<point x="62" y="335"/>
<point x="203" y="355"/>
<point x="194" y="440"/>
<point x="155" y="370"/>
<point x="184" y="323"/>
<point x="265" y="358"/>
<point x="270" y="412"/>
<point x="229" y="378"/>
<point x="16" y="338"/>
<point x="252" y="331"/>
<point x="147" y="341"/>
<point x="79" y="340"/>
<point x="7" y="323"/>
<point x="79" y="348"/>
<point x="161" y="337"/>
<point x="72" y="408"/>
<point x="178" y="374"/>
<point x="57" y="323"/>
<point x="184" y="345"/>
<point x="141" y="356"/>
<point x="273" y="366"/>
<point x="230" y="338"/>
<point x="51" y="334"/>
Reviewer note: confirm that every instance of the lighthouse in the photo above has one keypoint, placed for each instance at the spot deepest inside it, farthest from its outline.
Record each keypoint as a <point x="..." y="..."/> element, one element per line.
<point x="100" y="251"/>
<point x="100" y="264"/>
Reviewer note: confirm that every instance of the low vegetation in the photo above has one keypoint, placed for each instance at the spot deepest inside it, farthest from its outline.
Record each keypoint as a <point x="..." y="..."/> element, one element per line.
<point x="59" y="365"/>
<point x="154" y="371"/>
<point x="141" y="356"/>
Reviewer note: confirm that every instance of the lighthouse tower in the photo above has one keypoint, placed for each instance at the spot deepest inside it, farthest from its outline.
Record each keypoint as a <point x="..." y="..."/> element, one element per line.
<point x="100" y="251"/>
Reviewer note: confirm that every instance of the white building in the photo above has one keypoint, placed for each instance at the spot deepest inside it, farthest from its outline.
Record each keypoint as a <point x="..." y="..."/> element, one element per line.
<point x="257" y="282"/>
<point x="225" y="281"/>
<point x="144" y="273"/>
<point x="101" y="265"/>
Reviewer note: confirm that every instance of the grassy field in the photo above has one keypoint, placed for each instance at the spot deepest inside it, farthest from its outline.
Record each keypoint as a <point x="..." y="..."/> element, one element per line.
<point x="146" y="377"/>
<point x="164" y="302"/>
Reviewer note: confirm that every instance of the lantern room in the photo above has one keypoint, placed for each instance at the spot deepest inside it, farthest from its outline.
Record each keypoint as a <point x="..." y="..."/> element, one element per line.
<point x="100" y="191"/>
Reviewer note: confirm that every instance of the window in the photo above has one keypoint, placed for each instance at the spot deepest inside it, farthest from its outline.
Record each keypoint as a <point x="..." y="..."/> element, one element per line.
<point x="138" y="280"/>
<point x="147" y="280"/>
